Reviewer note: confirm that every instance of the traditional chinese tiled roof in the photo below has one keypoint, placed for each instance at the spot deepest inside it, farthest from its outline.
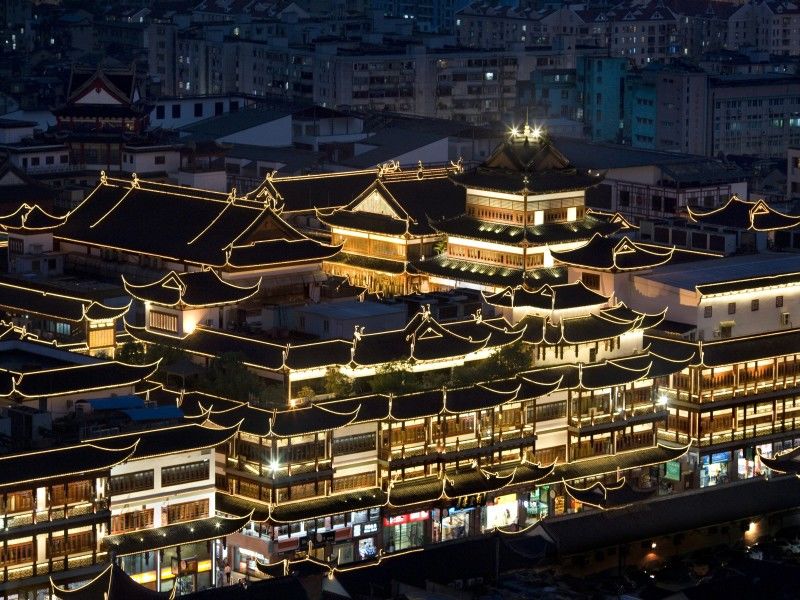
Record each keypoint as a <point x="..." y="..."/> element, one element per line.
<point x="609" y="373"/>
<point x="476" y="397"/>
<point x="412" y="203"/>
<point x="324" y="190"/>
<point x="729" y="351"/>
<point x="186" y="224"/>
<point x="783" y="462"/>
<point x="746" y="215"/>
<point x="327" y="506"/>
<point x="536" y="235"/>
<point x="30" y="219"/>
<point x="415" y="491"/>
<point x="612" y="254"/>
<point x="547" y="297"/>
<point x="510" y="182"/>
<point x="190" y="290"/>
<point x="612" y="496"/>
<point x="27" y="297"/>
<point x="422" y="339"/>
<point x="606" y="324"/>
<point x="475" y="481"/>
<point x="80" y="378"/>
<point x="44" y="465"/>
<point x="233" y="505"/>
<point x="149" y="540"/>
<point x="470" y="271"/>
<point x="381" y="265"/>
<point x="170" y="440"/>
<point x="527" y="162"/>
<point x="749" y="348"/>
<point x="315" y="418"/>
<point x="112" y="584"/>
<point x="605" y="465"/>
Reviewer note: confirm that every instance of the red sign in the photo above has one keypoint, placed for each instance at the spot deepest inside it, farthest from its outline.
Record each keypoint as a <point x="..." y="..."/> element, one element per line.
<point x="422" y="515"/>
<point x="343" y="534"/>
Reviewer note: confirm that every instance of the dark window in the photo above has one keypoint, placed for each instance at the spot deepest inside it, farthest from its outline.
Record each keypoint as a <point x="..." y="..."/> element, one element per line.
<point x="624" y="198"/>
<point x="708" y="311"/>
<point x="234" y="105"/>
<point x="678" y="237"/>
<point x="176" y="111"/>
<point x="198" y="109"/>
<point x="661" y="234"/>
<point x="160" y="160"/>
<point x="49" y="160"/>
<point x="754" y="305"/>
<point x="591" y="280"/>
<point x="159" y="112"/>
<point x="131" y="482"/>
<point x="218" y="108"/>
<point x="196" y="471"/>
<point x="63" y="159"/>
<point x="352" y="444"/>
<point x="778" y="301"/>
<point x="655" y="202"/>
<point x="716" y="242"/>
<point x="547" y="412"/>
<point x="699" y="240"/>
<point x="670" y="204"/>
<point x="731" y="308"/>
<point x="35" y="161"/>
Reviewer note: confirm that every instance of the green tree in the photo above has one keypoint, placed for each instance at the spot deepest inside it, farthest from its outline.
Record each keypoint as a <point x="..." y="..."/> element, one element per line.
<point x="390" y="379"/>
<point x="513" y="359"/>
<point x="227" y="376"/>
<point x="306" y="393"/>
<point x="340" y="386"/>
<point x="133" y="353"/>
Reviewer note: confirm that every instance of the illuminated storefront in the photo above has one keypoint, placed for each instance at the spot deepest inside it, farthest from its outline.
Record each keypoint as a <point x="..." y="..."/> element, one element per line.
<point x="537" y="505"/>
<point x="456" y="523"/>
<point x="405" y="531"/>
<point x="500" y="512"/>
<point x="714" y="468"/>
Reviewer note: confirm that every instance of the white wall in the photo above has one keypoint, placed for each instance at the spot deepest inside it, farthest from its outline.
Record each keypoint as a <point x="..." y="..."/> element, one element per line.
<point x="187" y="110"/>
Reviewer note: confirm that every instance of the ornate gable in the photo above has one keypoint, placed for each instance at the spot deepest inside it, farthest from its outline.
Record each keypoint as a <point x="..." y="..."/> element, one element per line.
<point x="376" y="203"/>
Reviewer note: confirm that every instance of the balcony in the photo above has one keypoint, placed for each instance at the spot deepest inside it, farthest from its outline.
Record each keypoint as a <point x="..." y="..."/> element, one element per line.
<point x="618" y="420"/>
<point x="31" y="524"/>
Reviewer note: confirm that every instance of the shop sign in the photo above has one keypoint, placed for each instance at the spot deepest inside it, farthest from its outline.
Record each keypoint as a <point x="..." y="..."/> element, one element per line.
<point x="422" y="515"/>
<point x="673" y="470"/>
<point x="471" y="501"/>
<point x="507" y="499"/>
<point x="370" y="527"/>
<point x="558" y="507"/>
<point x="342" y="534"/>
<point x="719" y="457"/>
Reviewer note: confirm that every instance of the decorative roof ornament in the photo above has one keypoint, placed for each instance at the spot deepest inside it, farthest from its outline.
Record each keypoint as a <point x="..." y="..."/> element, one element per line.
<point x="135" y="181"/>
<point x="458" y="165"/>
<point x="103" y="178"/>
<point x="232" y="196"/>
<point x="478" y="316"/>
<point x="392" y="166"/>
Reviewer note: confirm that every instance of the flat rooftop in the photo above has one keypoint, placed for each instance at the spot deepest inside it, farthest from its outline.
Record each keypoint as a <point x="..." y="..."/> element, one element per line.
<point x="352" y="310"/>
<point x="688" y="275"/>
